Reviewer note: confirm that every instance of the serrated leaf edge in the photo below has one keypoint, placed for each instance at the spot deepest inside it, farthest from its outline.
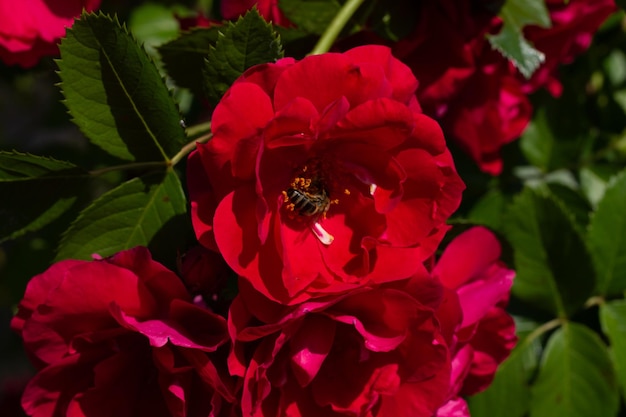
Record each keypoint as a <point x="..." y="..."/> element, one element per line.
<point x="122" y="26"/>
<point x="610" y="183"/>
<point x="94" y="203"/>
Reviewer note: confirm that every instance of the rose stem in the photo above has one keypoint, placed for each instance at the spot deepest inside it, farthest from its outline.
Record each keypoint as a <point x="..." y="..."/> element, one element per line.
<point x="332" y="31"/>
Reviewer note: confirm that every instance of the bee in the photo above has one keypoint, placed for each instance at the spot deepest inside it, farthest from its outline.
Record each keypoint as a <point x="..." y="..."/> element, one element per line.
<point x="308" y="204"/>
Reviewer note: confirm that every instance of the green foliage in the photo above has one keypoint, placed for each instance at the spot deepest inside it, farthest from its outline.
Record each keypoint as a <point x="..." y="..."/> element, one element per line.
<point x="607" y="238"/>
<point x="594" y="180"/>
<point x="184" y="57"/>
<point x="488" y="209"/>
<point x="115" y="93"/>
<point x="36" y="191"/>
<point x="554" y="270"/>
<point x="149" y="211"/>
<point x="249" y="41"/>
<point x="556" y="137"/>
<point x="153" y="24"/>
<point x="509" y="393"/>
<point x="538" y="142"/>
<point x="613" y="319"/>
<point x="311" y="16"/>
<point x="516" y="14"/>
<point x="576" y="377"/>
<point x="394" y="20"/>
<point x="575" y="204"/>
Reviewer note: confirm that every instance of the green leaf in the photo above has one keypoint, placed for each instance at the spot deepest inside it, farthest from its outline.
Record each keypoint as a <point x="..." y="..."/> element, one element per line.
<point x="554" y="270"/>
<point x="576" y="377"/>
<point x="613" y="320"/>
<point x="511" y="42"/>
<point x="311" y="16"/>
<point x="154" y="24"/>
<point x="557" y="135"/>
<point x="509" y="393"/>
<point x="615" y="68"/>
<point x="249" y="41"/>
<point x="115" y="94"/>
<point x="36" y="191"/>
<point x="594" y="180"/>
<point x="607" y="238"/>
<point x="488" y="210"/>
<point x="184" y="57"/>
<point x="573" y="201"/>
<point x="147" y="211"/>
<point x="538" y="142"/>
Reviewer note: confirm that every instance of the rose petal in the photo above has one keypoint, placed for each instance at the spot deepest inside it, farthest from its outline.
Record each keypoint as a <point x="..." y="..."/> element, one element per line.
<point x="310" y="346"/>
<point x="400" y="76"/>
<point x="467" y="257"/>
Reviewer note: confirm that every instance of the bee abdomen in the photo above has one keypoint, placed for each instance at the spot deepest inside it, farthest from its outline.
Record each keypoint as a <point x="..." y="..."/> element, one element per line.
<point x="307" y="204"/>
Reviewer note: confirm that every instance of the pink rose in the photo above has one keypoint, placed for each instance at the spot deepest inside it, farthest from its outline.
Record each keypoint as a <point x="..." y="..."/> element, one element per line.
<point x="120" y="337"/>
<point x="375" y="352"/>
<point x="323" y="175"/>
<point x="30" y="29"/>
<point x="479" y="331"/>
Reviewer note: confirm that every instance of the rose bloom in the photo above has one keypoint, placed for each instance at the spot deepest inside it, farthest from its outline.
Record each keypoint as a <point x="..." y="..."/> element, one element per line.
<point x="323" y="175"/>
<point x="372" y="352"/>
<point x="30" y="29"/>
<point x="478" y="330"/>
<point x="464" y="83"/>
<point x="232" y="9"/>
<point x="479" y="97"/>
<point x="120" y="337"/>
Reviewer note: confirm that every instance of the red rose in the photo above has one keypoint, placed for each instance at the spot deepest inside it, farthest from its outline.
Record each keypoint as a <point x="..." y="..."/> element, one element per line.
<point x="463" y="83"/>
<point x="323" y="175"/>
<point x="479" y="331"/>
<point x="443" y="48"/>
<point x="479" y="97"/>
<point x="119" y="337"/>
<point x="232" y="9"/>
<point x="489" y="111"/>
<point x="373" y="352"/>
<point x="31" y="29"/>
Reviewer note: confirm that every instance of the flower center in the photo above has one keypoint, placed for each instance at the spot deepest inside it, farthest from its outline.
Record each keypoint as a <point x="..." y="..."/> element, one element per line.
<point x="307" y="199"/>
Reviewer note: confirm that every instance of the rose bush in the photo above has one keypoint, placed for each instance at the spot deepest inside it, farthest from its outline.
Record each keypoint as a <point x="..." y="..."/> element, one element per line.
<point x="120" y="337"/>
<point x="478" y="330"/>
<point x="31" y="29"/>
<point x="373" y="352"/>
<point x="323" y="175"/>
<point x="479" y="97"/>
